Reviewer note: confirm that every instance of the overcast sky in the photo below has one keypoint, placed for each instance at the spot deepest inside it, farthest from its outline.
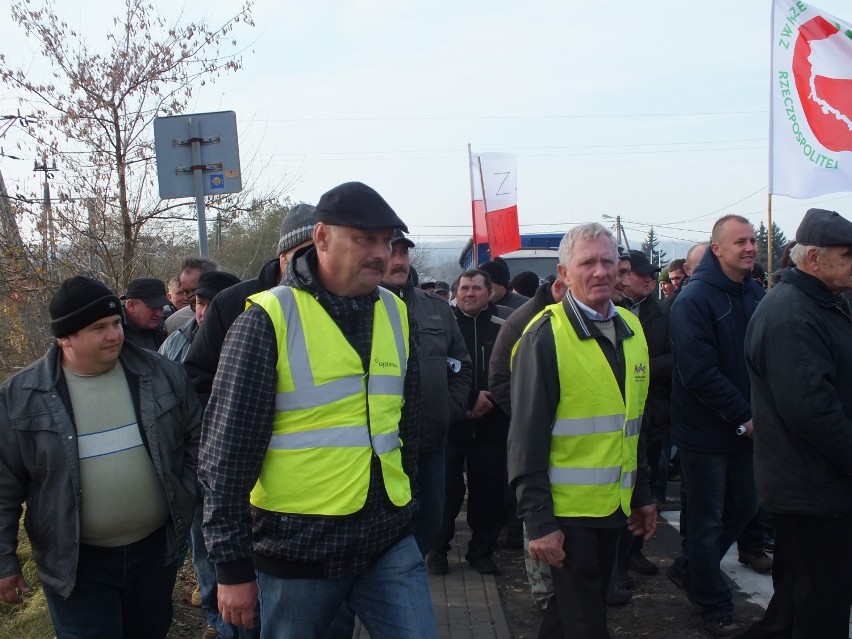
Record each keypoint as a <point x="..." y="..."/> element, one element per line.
<point x="657" y="112"/>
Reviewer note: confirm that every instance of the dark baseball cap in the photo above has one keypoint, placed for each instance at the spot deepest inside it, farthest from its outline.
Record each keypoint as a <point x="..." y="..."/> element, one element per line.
<point x="212" y="283"/>
<point x="399" y="236"/>
<point x="440" y="285"/>
<point x="148" y="289"/>
<point x="639" y="264"/>
<point x="824" y="228"/>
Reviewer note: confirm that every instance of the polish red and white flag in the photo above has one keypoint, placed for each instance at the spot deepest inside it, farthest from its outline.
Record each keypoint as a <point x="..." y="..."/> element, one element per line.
<point x="810" y="130"/>
<point x="494" y="191"/>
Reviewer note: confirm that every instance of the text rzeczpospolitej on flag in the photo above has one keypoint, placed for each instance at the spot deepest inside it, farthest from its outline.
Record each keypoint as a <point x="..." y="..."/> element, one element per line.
<point x="494" y="185"/>
<point x="810" y="139"/>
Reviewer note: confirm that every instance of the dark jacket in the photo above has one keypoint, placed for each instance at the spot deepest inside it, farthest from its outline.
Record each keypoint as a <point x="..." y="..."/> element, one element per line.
<point x="203" y="357"/>
<point x="512" y="300"/>
<point x="151" y="339"/>
<point x="535" y="398"/>
<point x="499" y="370"/>
<point x="39" y="461"/>
<point x="710" y="387"/>
<point x="480" y="334"/>
<point x="445" y="389"/>
<point x="799" y="356"/>
<point x="656" y="420"/>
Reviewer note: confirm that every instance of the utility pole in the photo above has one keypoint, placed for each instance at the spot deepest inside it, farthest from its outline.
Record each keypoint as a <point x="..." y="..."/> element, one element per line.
<point x="48" y="237"/>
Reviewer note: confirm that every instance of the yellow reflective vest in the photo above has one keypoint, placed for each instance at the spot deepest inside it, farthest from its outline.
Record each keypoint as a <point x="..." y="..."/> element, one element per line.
<point x="595" y="432"/>
<point x="331" y="416"/>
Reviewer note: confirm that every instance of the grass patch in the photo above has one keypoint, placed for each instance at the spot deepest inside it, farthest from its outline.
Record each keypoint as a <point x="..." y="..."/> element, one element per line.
<point x="31" y="619"/>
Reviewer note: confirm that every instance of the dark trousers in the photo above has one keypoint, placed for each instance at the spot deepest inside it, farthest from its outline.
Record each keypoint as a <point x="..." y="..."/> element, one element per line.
<point x="485" y="462"/>
<point x="812" y="576"/>
<point x="754" y="536"/>
<point x="430" y="491"/>
<point x="578" y="608"/>
<point x="121" y="593"/>
<point x="722" y="499"/>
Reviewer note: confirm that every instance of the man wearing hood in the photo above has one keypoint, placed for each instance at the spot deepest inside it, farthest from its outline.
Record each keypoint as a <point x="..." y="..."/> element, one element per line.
<point x="446" y="376"/>
<point x="203" y="357"/>
<point x="711" y="414"/>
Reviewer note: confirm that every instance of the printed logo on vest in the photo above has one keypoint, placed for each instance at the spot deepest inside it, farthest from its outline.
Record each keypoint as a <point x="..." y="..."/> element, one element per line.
<point x="382" y="364"/>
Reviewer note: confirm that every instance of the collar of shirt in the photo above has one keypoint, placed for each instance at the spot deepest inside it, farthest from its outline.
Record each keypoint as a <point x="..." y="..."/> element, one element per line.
<point x="592" y="314"/>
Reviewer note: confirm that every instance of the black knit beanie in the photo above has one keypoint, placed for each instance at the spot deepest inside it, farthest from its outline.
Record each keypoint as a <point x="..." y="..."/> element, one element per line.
<point x="78" y="302"/>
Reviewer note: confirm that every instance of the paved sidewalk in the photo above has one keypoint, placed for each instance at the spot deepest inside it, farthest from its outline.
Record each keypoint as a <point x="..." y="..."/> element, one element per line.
<point x="467" y="604"/>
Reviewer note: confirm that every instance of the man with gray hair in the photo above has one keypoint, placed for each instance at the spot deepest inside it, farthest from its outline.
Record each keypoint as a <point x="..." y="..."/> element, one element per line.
<point x="579" y="382"/>
<point x="799" y="358"/>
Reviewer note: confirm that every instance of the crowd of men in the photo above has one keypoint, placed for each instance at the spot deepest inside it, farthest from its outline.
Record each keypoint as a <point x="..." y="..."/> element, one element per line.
<point x="312" y="433"/>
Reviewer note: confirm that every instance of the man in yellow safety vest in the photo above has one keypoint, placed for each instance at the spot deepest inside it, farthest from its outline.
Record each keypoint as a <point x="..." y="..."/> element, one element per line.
<point x="311" y="439"/>
<point x="579" y="382"/>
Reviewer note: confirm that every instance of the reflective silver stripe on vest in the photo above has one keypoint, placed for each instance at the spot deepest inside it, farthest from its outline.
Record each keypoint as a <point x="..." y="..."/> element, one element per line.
<point x="629" y="479"/>
<point x="386" y="442"/>
<point x="632" y="427"/>
<point x="588" y="425"/>
<point x="341" y="436"/>
<point x="306" y="394"/>
<point x="585" y="476"/>
<point x="399" y="335"/>
<point x="110" y="441"/>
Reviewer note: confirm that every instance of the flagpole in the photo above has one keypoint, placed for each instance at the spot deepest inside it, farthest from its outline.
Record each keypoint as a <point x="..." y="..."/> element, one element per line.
<point x="769" y="241"/>
<point x="474" y="246"/>
<point x="485" y="207"/>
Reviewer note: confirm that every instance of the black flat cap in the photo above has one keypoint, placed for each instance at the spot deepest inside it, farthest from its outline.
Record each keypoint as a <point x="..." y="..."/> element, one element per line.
<point x="359" y="206"/>
<point x="640" y="264"/>
<point x="623" y="254"/>
<point x="824" y="228"/>
<point x="148" y="289"/>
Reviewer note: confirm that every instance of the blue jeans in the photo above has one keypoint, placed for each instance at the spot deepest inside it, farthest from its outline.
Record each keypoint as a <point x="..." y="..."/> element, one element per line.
<point x="121" y="592"/>
<point x="430" y="492"/>
<point x="391" y="598"/>
<point x="722" y="499"/>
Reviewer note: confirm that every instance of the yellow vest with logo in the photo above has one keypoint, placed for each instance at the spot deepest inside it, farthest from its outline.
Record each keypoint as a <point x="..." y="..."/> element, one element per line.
<point x="331" y="416"/>
<point x="595" y="432"/>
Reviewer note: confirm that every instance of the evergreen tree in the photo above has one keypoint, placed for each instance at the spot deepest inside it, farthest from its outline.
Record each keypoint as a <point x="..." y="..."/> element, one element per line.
<point x="656" y="256"/>
<point x="779" y="240"/>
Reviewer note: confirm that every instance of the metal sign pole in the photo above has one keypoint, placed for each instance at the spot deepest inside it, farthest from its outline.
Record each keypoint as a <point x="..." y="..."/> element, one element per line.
<point x="198" y="184"/>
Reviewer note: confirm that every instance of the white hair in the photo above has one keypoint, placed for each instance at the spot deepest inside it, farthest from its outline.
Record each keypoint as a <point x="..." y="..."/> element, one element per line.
<point x="799" y="253"/>
<point x="589" y="231"/>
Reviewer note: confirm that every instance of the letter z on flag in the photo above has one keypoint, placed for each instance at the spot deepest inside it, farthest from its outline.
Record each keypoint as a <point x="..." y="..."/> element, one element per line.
<point x="810" y="129"/>
<point x="494" y="182"/>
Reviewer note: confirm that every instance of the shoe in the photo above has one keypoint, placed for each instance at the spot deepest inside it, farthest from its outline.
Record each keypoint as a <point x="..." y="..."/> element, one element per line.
<point x="210" y="633"/>
<point x="769" y="546"/>
<point x="682" y="582"/>
<point x="483" y="565"/>
<point x="436" y="563"/>
<point x="639" y="563"/>
<point x="618" y="597"/>
<point x="195" y="597"/>
<point x="758" y="560"/>
<point x="722" y="626"/>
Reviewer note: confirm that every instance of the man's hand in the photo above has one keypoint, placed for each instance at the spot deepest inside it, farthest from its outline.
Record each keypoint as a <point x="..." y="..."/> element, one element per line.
<point x="12" y="587"/>
<point x="482" y="407"/>
<point x="749" y="426"/>
<point x="643" y="521"/>
<point x="548" y="549"/>
<point x="237" y="603"/>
